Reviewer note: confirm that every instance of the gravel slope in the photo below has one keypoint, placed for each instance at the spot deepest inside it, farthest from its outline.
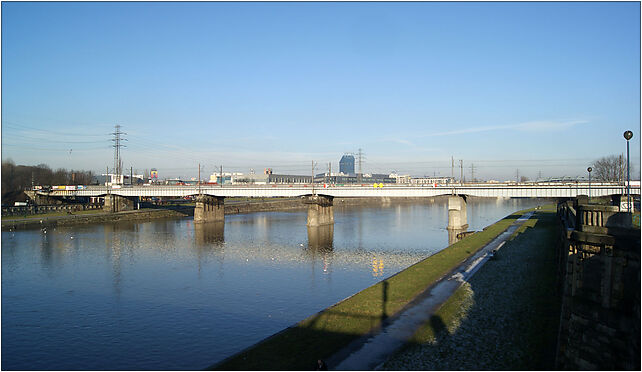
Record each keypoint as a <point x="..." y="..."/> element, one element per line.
<point x="508" y="318"/>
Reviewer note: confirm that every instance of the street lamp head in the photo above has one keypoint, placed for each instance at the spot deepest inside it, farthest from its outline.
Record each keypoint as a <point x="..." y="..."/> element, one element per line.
<point x="628" y="135"/>
<point x="589" y="169"/>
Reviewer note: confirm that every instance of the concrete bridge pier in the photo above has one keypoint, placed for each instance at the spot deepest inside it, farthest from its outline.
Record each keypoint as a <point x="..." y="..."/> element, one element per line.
<point x="457" y="217"/>
<point x="117" y="203"/>
<point x="320" y="209"/>
<point x="209" y="209"/>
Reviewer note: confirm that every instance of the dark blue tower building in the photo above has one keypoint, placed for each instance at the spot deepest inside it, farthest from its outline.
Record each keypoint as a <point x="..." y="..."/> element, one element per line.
<point x="346" y="164"/>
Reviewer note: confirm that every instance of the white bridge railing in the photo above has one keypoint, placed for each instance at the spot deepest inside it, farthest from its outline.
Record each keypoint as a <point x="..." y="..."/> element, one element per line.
<point x="482" y="190"/>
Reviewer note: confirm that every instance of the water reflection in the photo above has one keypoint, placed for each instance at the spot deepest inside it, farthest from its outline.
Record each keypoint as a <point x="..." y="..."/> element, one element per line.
<point x="209" y="238"/>
<point x="321" y="245"/>
<point x="209" y="234"/>
<point x="46" y="249"/>
<point x="377" y="266"/>
<point x="116" y="236"/>
<point x="321" y="238"/>
<point x="454" y="235"/>
<point x="145" y="291"/>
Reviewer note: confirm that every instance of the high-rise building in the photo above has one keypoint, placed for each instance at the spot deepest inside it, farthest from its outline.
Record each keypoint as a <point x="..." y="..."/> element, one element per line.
<point x="346" y="164"/>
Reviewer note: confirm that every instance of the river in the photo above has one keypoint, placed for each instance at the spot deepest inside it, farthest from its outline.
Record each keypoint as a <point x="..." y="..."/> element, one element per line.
<point x="171" y="295"/>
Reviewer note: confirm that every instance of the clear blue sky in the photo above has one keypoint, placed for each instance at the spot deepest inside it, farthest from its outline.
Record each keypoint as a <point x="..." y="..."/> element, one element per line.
<point x="539" y="87"/>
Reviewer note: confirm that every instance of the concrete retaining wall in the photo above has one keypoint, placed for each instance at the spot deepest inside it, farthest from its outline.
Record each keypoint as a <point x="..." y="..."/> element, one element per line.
<point x="32" y="209"/>
<point x="139" y="215"/>
<point x="600" y="279"/>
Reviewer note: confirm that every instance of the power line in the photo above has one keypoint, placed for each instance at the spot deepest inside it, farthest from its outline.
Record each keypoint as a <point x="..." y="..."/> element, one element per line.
<point x="14" y="125"/>
<point x="360" y="155"/>
<point x="118" y="164"/>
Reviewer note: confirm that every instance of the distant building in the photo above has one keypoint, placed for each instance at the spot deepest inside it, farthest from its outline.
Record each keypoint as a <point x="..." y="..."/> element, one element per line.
<point x="340" y="178"/>
<point x="431" y="180"/>
<point x="346" y="164"/>
<point x="236" y="178"/>
<point x="252" y="179"/>
<point x="288" y="178"/>
<point x="401" y="179"/>
<point x="227" y="178"/>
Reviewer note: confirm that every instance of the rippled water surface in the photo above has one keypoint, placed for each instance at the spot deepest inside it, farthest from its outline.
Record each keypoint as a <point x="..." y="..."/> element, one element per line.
<point x="168" y="294"/>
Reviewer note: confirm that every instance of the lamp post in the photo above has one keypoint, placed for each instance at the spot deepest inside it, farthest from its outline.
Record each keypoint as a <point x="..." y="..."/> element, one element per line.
<point x="589" y="169"/>
<point x="628" y="135"/>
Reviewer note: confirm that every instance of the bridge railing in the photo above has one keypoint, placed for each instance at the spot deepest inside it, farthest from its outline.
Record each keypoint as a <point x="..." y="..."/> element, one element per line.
<point x="274" y="190"/>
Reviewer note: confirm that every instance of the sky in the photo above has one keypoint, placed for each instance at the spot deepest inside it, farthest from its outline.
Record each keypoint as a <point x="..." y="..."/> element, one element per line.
<point x="539" y="89"/>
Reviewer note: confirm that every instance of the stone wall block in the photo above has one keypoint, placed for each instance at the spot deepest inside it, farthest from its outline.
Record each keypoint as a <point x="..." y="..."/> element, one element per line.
<point x="600" y="318"/>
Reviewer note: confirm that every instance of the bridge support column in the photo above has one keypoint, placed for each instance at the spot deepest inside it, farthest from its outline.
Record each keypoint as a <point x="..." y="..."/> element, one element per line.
<point x="320" y="209"/>
<point x="209" y="209"/>
<point x="457" y="217"/>
<point x="117" y="203"/>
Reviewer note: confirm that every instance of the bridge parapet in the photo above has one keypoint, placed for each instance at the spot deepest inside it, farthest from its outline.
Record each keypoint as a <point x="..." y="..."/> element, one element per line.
<point x="599" y="266"/>
<point x="481" y="190"/>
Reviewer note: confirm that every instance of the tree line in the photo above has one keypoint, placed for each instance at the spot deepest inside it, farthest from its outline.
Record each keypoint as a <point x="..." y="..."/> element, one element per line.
<point x="611" y="169"/>
<point x="17" y="178"/>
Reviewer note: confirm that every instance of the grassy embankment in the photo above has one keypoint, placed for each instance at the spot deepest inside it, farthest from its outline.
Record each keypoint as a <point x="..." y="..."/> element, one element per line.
<point x="323" y="334"/>
<point x="532" y="249"/>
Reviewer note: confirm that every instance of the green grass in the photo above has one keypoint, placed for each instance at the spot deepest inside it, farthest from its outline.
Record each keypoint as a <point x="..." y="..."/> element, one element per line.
<point x="323" y="334"/>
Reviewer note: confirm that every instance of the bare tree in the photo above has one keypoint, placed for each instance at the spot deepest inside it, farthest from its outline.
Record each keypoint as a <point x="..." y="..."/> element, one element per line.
<point x="610" y="168"/>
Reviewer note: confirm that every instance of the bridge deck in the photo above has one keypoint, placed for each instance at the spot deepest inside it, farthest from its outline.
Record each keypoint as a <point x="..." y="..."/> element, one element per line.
<point x="511" y="191"/>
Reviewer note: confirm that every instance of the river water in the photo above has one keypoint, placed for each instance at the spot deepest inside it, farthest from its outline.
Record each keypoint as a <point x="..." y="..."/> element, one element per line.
<point x="171" y="295"/>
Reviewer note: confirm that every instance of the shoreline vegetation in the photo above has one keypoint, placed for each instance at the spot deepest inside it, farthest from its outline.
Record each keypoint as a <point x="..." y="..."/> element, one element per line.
<point x="322" y="335"/>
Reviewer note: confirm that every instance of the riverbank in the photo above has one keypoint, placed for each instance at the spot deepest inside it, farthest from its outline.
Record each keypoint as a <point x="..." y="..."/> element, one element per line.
<point x="232" y="206"/>
<point x="324" y="334"/>
<point x="505" y="317"/>
<point x="39" y="221"/>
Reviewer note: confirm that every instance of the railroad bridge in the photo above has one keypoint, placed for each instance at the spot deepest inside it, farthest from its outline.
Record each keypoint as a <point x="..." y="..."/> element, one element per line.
<point x="319" y="198"/>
